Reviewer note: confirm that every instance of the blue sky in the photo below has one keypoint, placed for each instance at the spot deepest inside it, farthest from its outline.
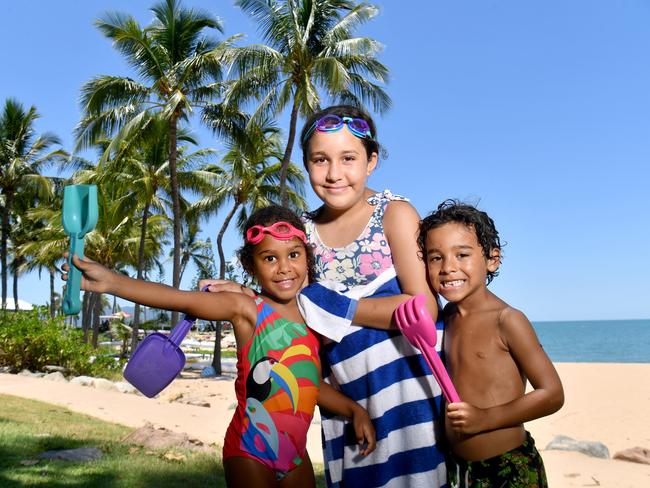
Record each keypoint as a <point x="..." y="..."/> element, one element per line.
<point x="537" y="111"/>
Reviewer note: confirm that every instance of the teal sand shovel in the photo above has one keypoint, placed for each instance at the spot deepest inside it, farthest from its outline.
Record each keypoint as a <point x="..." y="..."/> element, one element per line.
<point x="79" y="217"/>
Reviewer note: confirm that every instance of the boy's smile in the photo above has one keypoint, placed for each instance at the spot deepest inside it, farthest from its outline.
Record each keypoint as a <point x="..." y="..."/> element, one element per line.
<point x="456" y="264"/>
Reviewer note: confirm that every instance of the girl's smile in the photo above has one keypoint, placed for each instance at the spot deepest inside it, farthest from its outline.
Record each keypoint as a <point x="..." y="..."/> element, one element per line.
<point x="339" y="167"/>
<point x="280" y="267"/>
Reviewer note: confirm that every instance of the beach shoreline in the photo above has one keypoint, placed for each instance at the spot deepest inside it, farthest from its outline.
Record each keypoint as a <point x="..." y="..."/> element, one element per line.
<point x="605" y="402"/>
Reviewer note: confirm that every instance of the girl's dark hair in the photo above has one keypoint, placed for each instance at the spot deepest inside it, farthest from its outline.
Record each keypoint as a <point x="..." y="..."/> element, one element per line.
<point x="371" y="144"/>
<point x="453" y="211"/>
<point x="268" y="216"/>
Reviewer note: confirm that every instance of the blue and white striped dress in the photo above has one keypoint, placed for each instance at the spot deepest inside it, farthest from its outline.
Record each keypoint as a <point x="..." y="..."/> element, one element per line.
<point x="382" y="372"/>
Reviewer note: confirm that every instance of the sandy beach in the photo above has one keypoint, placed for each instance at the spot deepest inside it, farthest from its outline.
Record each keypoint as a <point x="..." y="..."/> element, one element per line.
<point x="609" y="403"/>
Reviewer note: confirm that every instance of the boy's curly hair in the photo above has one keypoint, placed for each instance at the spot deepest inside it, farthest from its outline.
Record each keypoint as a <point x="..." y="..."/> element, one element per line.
<point x="268" y="216"/>
<point x="454" y="211"/>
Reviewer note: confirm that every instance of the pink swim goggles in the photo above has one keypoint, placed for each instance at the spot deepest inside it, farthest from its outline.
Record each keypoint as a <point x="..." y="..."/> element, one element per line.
<point x="280" y="230"/>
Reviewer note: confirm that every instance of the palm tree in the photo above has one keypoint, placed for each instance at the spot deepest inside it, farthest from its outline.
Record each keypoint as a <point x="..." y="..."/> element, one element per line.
<point x="249" y="181"/>
<point x="180" y="69"/>
<point x="310" y="47"/>
<point x="249" y="177"/>
<point x="44" y="244"/>
<point x="141" y="165"/>
<point x="195" y="250"/>
<point x="23" y="155"/>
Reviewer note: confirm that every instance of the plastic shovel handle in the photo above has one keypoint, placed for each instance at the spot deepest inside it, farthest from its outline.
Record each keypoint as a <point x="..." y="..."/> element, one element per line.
<point x="71" y="303"/>
<point x="439" y="372"/>
<point x="181" y="329"/>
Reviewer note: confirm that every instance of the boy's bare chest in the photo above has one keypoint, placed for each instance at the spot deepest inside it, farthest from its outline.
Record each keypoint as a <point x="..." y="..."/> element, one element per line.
<point x="473" y="342"/>
<point x="480" y="362"/>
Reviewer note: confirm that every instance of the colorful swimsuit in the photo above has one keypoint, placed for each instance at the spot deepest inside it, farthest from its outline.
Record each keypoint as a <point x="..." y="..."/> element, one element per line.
<point x="276" y="388"/>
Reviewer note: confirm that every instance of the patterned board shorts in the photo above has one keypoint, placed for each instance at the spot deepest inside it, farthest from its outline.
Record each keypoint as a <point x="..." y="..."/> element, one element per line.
<point x="521" y="467"/>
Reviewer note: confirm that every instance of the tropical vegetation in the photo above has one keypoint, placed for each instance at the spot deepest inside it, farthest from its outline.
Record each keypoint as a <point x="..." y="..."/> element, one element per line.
<point x="157" y="185"/>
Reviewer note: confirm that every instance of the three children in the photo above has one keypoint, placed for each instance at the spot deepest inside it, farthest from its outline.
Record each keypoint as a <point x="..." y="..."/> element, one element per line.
<point x="491" y="349"/>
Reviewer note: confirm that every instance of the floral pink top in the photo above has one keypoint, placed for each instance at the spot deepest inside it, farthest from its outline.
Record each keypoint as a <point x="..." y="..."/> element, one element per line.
<point x="363" y="259"/>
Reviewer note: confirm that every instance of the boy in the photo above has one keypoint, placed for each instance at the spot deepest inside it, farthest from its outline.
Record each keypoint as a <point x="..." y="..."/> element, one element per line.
<point x="491" y="350"/>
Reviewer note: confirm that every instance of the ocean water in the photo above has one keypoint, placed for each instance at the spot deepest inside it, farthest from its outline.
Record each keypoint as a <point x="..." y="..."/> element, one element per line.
<point x="596" y="341"/>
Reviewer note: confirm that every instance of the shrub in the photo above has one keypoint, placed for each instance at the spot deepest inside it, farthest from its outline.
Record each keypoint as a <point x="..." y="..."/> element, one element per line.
<point x="31" y="340"/>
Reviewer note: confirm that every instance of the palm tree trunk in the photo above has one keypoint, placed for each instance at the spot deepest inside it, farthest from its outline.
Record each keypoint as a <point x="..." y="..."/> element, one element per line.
<point x="14" y="274"/>
<point x="6" y="211"/>
<point x="97" y="310"/>
<point x="136" y="312"/>
<point x="222" y="231"/>
<point x="216" y="354"/>
<point x="286" y="159"/>
<point x="88" y="302"/>
<point x="52" y="304"/>
<point x="176" y="208"/>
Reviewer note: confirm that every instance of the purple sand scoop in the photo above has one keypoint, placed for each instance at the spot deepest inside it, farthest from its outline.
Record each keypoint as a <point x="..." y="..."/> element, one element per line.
<point x="158" y="360"/>
<point x="416" y="324"/>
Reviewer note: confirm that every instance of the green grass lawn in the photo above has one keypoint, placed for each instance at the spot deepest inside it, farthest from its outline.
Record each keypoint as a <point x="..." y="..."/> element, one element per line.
<point x="28" y="428"/>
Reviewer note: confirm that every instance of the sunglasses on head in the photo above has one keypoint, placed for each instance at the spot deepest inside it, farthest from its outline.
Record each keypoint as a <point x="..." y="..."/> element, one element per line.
<point x="280" y="230"/>
<point x="333" y="123"/>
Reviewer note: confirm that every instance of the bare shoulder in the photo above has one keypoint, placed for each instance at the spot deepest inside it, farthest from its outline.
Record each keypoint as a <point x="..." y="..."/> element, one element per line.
<point x="397" y="210"/>
<point x="513" y="324"/>
<point x="245" y="307"/>
<point x="401" y="221"/>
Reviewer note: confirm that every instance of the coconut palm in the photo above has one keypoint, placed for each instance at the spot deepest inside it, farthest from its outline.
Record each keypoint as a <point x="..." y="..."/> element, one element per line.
<point x="141" y="166"/>
<point x="195" y="250"/>
<point x="23" y="155"/>
<point x="180" y="69"/>
<point x="310" y="47"/>
<point x="249" y="181"/>
<point x="249" y="175"/>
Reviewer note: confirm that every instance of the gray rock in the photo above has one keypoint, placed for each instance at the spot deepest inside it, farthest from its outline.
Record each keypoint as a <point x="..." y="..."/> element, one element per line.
<point x="637" y="454"/>
<point x="56" y="376"/>
<point x="7" y="369"/>
<point x="103" y="384"/>
<point x="82" y="454"/>
<point x="51" y="369"/>
<point x="590" y="448"/>
<point x="83" y="380"/>
<point x="124" y="387"/>
<point x="28" y="373"/>
<point x="161" y="438"/>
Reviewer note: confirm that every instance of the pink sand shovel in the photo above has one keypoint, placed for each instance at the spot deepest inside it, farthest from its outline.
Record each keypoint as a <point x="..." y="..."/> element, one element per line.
<point x="415" y="322"/>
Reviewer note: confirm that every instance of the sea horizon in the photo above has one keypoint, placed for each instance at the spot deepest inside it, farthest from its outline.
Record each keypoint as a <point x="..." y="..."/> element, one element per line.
<point x="595" y="341"/>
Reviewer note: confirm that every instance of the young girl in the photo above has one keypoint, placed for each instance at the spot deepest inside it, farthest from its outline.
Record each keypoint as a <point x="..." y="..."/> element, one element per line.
<point x="278" y="367"/>
<point x="359" y="237"/>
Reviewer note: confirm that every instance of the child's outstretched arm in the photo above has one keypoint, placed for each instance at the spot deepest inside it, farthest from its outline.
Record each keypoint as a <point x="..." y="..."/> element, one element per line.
<point x="234" y="307"/>
<point x="546" y="398"/>
<point x="402" y="226"/>
<point x="336" y="402"/>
